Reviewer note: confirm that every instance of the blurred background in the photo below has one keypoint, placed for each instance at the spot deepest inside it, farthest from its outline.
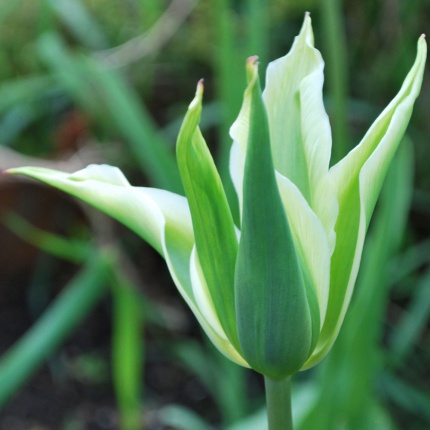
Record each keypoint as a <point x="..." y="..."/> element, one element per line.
<point x="93" y="334"/>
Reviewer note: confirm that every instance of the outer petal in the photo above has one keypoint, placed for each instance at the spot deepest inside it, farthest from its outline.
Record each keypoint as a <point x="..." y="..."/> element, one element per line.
<point x="358" y="178"/>
<point x="308" y="232"/>
<point x="202" y="294"/>
<point x="274" y="318"/>
<point x="160" y="217"/>
<point x="213" y="224"/>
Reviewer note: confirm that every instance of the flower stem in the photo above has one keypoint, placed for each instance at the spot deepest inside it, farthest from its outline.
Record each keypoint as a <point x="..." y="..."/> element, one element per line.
<point x="278" y="400"/>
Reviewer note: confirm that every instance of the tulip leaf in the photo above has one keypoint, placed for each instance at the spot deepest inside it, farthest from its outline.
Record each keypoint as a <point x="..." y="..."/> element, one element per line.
<point x="358" y="179"/>
<point x="214" y="229"/>
<point x="273" y="315"/>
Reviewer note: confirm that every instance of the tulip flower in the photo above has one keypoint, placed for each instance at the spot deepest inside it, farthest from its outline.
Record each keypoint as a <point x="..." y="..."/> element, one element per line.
<point x="272" y="292"/>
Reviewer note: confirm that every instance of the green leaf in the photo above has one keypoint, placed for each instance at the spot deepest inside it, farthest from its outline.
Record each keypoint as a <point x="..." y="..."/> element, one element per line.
<point x="105" y="96"/>
<point x="62" y="317"/>
<point x="127" y="349"/>
<point x="214" y="229"/>
<point x="182" y="418"/>
<point x="273" y="315"/>
<point x="358" y="179"/>
<point x="71" y="249"/>
<point x="76" y="16"/>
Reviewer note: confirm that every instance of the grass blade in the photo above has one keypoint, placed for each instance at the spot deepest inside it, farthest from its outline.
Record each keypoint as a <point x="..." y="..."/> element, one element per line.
<point x="58" y="321"/>
<point x="128" y="347"/>
<point x="104" y="94"/>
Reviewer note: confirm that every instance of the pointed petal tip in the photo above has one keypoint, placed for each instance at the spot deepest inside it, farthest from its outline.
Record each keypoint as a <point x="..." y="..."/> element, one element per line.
<point x="15" y="170"/>
<point x="252" y="60"/>
<point x="422" y="47"/>
<point x="198" y="96"/>
<point x="252" y="68"/>
<point x="306" y="30"/>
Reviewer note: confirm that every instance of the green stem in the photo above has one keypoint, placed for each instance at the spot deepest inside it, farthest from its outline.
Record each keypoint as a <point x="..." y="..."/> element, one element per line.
<point x="337" y="74"/>
<point x="278" y="400"/>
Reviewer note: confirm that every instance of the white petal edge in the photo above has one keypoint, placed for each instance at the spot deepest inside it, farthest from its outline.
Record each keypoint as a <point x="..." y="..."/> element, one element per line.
<point x="316" y="134"/>
<point x="221" y="343"/>
<point x="202" y="295"/>
<point x="310" y="239"/>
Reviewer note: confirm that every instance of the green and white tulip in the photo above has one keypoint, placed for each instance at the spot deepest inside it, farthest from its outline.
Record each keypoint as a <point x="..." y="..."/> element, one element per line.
<point x="272" y="292"/>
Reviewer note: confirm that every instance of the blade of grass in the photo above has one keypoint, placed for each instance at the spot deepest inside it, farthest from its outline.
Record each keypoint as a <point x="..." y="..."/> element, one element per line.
<point x="207" y="364"/>
<point x="73" y="250"/>
<point x="410" y="261"/>
<point x="127" y="350"/>
<point x="84" y="27"/>
<point x="407" y="396"/>
<point x="229" y="67"/>
<point x="412" y="324"/>
<point x="256" y="421"/>
<point x="257" y="30"/>
<point x="335" y="53"/>
<point x="104" y="94"/>
<point x="22" y="90"/>
<point x="59" y="320"/>
<point x="182" y="418"/>
<point x="127" y="341"/>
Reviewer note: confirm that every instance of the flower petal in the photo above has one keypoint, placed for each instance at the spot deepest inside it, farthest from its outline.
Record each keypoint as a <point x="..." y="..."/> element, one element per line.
<point x="160" y="217"/>
<point x="202" y="294"/>
<point x="310" y="241"/>
<point x="274" y="320"/>
<point x="299" y="126"/>
<point x="213" y="224"/>
<point x="358" y="179"/>
<point x="105" y="187"/>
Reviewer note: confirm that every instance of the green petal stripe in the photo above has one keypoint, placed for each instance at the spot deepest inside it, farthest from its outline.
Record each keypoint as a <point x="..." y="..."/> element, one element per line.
<point x="213" y="224"/>
<point x="273" y="315"/>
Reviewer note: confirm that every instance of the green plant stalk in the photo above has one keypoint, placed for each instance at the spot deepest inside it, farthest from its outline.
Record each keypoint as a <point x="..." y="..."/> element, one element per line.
<point x="62" y="317"/>
<point x="127" y="350"/>
<point x="229" y="83"/>
<point x="336" y="53"/>
<point x="257" y="19"/>
<point x="278" y="401"/>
